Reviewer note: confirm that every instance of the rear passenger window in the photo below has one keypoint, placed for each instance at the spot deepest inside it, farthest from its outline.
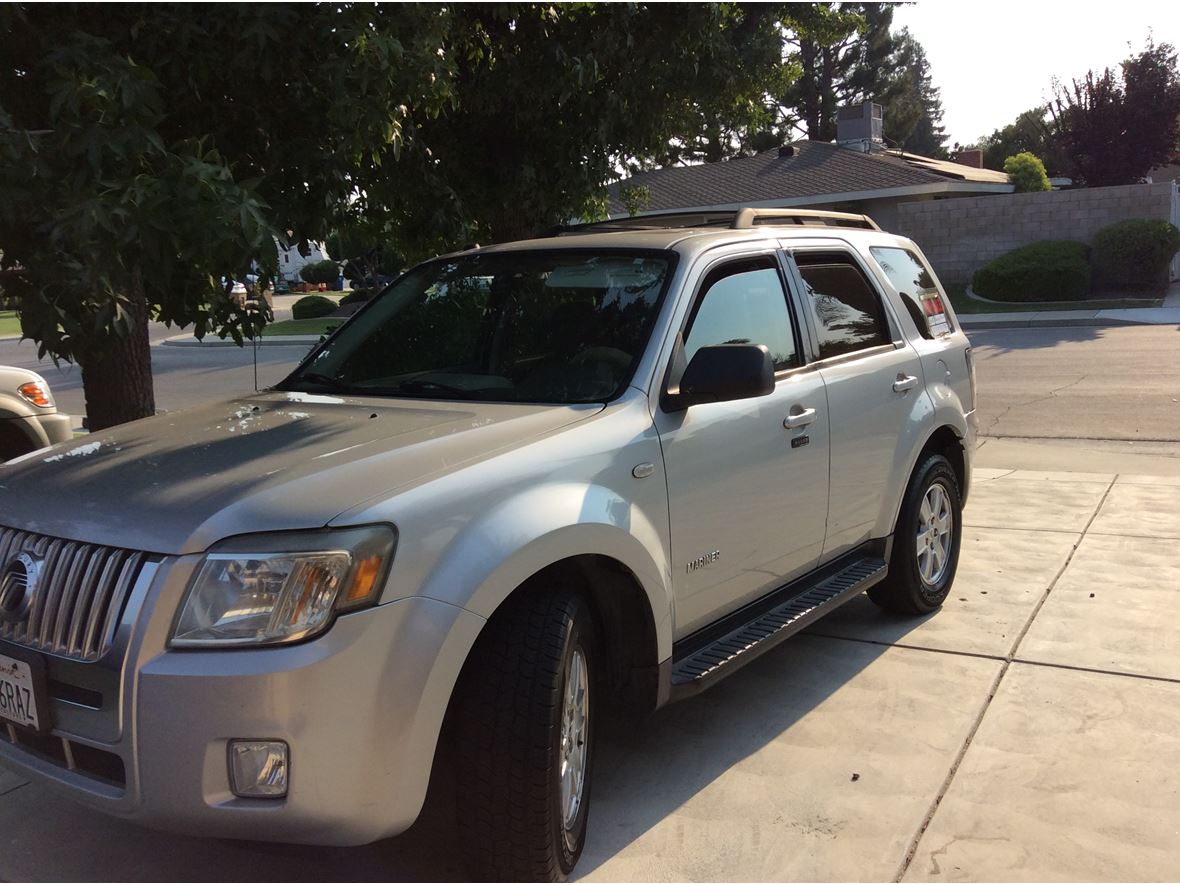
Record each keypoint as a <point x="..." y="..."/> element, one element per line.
<point x="848" y="311"/>
<point x="744" y="303"/>
<point x="916" y="285"/>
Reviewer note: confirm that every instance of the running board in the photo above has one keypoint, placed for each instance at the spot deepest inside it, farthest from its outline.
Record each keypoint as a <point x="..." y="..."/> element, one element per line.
<point x="699" y="669"/>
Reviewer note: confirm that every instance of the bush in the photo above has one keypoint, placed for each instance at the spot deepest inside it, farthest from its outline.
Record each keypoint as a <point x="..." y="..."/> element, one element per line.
<point x="356" y="296"/>
<point x="312" y="306"/>
<point x="1051" y="270"/>
<point x="1134" y="255"/>
<point x="1027" y="172"/>
<point x="320" y="272"/>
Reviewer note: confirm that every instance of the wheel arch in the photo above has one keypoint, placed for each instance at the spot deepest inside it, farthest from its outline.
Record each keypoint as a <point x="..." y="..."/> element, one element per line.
<point x="946" y="440"/>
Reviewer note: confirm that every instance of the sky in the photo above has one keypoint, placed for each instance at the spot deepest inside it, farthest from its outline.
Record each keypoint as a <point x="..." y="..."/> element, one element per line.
<point x="993" y="59"/>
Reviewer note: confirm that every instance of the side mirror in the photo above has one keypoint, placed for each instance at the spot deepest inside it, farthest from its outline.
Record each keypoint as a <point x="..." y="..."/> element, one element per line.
<point x="721" y="373"/>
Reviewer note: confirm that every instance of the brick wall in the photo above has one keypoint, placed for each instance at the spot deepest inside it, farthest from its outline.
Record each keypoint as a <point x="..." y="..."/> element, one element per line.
<point x="961" y="235"/>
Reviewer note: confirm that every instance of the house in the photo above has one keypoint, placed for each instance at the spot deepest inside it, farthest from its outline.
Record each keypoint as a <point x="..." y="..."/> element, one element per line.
<point x="857" y="173"/>
<point x="291" y="262"/>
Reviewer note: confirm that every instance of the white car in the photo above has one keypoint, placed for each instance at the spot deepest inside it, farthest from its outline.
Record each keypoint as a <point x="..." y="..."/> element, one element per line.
<point x="29" y="419"/>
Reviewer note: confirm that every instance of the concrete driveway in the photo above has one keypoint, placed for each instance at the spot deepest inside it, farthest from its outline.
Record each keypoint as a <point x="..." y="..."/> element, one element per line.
<point x="1027" y="731"/>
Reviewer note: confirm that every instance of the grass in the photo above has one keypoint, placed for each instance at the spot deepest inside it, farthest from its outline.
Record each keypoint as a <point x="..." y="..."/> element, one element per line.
<point x="316" y="326"/>
<point x="9" y="323"/>
<point x="964" y="304"/>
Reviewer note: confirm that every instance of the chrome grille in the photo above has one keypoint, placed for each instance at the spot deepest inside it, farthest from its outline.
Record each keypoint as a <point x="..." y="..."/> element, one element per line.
<point x="77" y="595"/>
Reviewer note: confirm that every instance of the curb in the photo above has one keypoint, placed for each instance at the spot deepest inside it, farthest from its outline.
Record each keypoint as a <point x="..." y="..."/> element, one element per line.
<point x="273" y="341"/>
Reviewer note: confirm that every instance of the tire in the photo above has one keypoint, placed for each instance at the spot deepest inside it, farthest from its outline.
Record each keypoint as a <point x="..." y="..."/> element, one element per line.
<point x="13" y="444"/>
<point x="918" y="582"/>
<point x="512" y="744"/>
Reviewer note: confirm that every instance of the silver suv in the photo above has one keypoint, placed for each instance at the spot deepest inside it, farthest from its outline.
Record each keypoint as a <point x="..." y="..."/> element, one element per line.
<point x="526" y="483"/>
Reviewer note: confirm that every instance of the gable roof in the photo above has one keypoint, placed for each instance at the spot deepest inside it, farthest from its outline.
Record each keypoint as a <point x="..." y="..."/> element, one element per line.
<point x="816" y="170"/>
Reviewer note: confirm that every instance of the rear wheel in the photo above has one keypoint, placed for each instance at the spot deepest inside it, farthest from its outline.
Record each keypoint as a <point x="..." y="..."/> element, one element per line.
<point x="925" y="543"/>
<point x="524" y="739"/>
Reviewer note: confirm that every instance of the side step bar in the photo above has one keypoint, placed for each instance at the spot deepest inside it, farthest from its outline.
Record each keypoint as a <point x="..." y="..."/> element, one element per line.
<point x="706" y="664"/>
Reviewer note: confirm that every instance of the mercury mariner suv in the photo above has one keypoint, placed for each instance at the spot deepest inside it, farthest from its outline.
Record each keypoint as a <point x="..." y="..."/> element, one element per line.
<point x="525" y="483"/>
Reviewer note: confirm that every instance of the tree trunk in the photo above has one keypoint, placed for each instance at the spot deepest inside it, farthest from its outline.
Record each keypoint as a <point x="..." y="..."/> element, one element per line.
<point x="117" y="380"/>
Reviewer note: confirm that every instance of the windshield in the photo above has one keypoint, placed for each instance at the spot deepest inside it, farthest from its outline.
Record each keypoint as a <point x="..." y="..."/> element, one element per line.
<point x="533" y="327"/>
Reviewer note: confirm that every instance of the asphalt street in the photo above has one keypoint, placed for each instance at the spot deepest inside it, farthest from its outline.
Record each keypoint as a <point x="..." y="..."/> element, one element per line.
<point x="1117" y="383"/>
<point x="1084" y="383"/>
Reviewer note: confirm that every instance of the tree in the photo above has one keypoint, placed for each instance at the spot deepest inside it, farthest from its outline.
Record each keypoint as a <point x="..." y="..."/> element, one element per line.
<point x="146" y="153"/>
<point x="845" y="55"/>
<point x="151" y="151"/>
<point x="1027" y="173"/>
<point x="1115" y="127"/>
<point x="911" y="105"/>
<point x="1031" y="131"/>
<point x="553" y="100"/>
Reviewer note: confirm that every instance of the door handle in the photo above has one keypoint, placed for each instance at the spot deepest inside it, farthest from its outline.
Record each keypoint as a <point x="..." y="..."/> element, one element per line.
<point x="799" y="419"/>
<point x="904" y="382"/>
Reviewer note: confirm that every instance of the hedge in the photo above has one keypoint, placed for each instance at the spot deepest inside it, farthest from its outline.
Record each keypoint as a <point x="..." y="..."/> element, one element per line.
<point x="325" y="272"/>
<point x="1133" y="255"/>
<point x="1050" y="270"/>
<point x="356" y="296"/>
<point x="312" y="306"/>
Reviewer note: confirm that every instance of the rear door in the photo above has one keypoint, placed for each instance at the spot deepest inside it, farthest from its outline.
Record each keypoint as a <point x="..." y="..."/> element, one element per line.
<point x="747" y="480"/>
<point x="877" y="404"/>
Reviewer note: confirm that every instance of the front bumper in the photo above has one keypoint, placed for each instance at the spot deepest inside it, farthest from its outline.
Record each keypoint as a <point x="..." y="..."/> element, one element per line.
<point x="360" y="707"/>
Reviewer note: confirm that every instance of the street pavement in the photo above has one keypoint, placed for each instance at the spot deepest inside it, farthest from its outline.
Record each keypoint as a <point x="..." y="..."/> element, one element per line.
<point x="1027" y="731"/>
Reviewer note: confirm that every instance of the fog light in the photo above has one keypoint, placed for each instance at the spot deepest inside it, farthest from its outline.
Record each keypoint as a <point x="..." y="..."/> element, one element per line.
<point x="258" y="769"/>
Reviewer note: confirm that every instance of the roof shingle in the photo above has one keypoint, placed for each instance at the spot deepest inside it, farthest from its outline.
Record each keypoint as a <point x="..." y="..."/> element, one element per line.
<point x="816" y="169"/>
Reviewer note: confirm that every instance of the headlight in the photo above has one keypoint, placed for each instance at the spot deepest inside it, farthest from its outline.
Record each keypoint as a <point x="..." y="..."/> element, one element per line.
<point x="35" y="393"/>
<point x="272" y="589"/>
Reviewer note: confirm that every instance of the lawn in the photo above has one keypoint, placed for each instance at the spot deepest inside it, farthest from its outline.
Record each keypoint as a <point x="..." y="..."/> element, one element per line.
<point x="963" y="304"/>
<point x="316" y="326"/>
<point x="9" y="323"/>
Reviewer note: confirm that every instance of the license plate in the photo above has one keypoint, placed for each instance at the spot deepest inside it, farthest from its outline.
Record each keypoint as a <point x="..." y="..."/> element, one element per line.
<point x="19" y="701"/>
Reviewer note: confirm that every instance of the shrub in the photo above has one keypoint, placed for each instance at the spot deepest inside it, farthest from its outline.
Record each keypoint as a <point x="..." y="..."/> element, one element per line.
<point x="357" y="296"/>
<point x="312" y="306"/>
<point x="1133" y="255"/>
<point x="1051" y="270"/>
<point x="1027" y="172"/>
<point x="320" y="272"/>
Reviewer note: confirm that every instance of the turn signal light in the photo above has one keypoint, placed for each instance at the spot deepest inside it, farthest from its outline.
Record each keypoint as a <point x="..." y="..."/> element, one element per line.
<point x="36" y="394"/>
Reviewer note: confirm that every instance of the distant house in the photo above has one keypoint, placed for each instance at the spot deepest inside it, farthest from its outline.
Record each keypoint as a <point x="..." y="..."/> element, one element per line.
<point x="291" y="262"/>
<point x="854" y="174"/>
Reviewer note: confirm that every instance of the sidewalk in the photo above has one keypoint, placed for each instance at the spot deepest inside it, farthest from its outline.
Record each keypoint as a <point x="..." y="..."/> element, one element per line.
<point x="1168" y="314"/>
<point x="1026" y="731"/>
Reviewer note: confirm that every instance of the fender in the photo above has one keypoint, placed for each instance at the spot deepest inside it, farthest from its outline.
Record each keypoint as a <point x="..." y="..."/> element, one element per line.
<point x="496" y="553"/>
<point x="946" y="413"/>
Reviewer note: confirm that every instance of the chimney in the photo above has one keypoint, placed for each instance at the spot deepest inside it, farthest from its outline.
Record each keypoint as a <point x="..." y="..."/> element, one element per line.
<point x="972" y="158"/>
<point x="859" y="126"/>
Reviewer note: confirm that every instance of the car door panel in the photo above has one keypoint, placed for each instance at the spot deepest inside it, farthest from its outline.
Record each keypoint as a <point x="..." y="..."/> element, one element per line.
<point x="747" y="493"/>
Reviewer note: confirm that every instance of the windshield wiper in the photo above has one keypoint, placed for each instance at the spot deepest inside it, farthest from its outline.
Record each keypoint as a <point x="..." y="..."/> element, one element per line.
<point x="324" y="380"/>
<point x="422" y="385"/>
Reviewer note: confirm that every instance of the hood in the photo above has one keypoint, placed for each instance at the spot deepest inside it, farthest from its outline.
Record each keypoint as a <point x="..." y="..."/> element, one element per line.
<point x="178" y="482"/>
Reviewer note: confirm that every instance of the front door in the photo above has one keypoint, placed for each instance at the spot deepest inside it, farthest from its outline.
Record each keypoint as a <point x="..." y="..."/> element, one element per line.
<point x="747" y="480"/>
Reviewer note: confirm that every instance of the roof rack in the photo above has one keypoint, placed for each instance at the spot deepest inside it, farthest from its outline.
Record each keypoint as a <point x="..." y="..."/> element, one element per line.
<point x="740" y="219"/>
<point x="748" y="217"/>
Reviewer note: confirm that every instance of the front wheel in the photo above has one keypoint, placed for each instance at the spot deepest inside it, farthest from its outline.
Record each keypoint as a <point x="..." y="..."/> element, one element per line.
<point x="524" y="727"/>
<point x="925" y="542"/>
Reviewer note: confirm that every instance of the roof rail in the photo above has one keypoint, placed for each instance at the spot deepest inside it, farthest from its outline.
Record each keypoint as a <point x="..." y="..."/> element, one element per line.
<point x="748" y="217"/>
<point x="741" y="219"/>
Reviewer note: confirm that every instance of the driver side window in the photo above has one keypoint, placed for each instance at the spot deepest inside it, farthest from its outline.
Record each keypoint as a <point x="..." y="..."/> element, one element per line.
<point x="744" y="303"/>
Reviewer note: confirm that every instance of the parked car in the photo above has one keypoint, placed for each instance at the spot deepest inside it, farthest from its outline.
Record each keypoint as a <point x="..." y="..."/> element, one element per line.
<point x="526" y="483"/>
<point x="29" y="419"/>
